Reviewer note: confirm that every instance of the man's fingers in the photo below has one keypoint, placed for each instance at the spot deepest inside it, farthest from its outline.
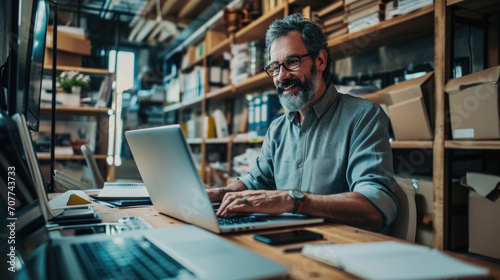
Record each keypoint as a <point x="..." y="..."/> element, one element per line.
<point x="236" y="205"/>
<point x="226" y="201"/>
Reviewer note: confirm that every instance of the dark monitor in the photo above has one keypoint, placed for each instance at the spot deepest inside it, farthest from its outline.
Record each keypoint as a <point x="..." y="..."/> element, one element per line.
<point x="8" y="55"/>
<point x="32" y="33"/>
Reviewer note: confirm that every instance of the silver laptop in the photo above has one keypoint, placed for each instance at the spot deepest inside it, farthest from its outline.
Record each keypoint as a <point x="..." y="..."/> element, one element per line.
<point x="165" y="162"/>
<point x="178" y="252"/>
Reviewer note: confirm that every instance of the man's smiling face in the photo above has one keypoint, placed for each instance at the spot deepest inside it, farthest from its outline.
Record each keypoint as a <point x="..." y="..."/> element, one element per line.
<point x="296" y="88"/>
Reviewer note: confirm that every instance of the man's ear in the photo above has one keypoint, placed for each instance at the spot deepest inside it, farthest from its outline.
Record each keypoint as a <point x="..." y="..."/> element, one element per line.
<point x="321" y="60"/>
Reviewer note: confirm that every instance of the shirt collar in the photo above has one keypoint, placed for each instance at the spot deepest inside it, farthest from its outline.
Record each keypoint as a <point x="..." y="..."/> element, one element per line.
<point x="320" y="107"/>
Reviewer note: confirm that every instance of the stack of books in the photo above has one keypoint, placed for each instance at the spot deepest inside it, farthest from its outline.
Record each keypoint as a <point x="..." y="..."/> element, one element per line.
<point x="239" y="63"/>
<point x="401" y="7"/>
<point x="331" y="19"/>
<point x="193" y="83"/>
<point x="262" y="110"/>
<point x="361" y="14"/>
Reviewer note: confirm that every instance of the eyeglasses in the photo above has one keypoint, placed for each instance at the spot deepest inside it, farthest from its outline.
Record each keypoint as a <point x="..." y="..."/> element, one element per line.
<point x="290" y="63"/>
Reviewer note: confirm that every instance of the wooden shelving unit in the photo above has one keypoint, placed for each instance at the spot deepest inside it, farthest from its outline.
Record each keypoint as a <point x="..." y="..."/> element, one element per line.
<point x="102" y="119"/>
<point x="256" y="29"/>
<point x="443" y="15"/>
<point x="433" y="19"/>
<point x="387" y="32"/>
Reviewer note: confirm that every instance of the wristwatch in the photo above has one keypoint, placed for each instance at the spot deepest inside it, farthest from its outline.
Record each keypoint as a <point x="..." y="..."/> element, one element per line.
<point x="298" y="200"/>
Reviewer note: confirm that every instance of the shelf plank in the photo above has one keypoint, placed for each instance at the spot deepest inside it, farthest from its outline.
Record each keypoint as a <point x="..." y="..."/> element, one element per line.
<point x="248" y="140"/>
<point x="472" y="145"/>
<point x="70" y="110"/>
<point x="46" y="156"/>
<point x="80" y="69"/>
<point x="172" y="107"/>
<point x="224" y="140"/>
<point x="411" y="144"/>
<point x="256" y="29"/>
<point x="220" y="48"/>
<point x="255" y="82"/>
<point x="396" y="29"/>
<point x="224" y="92"/>
<point x="192" y="102"/>
<point x="197" y="61"/>
<point x="194" y="140"/>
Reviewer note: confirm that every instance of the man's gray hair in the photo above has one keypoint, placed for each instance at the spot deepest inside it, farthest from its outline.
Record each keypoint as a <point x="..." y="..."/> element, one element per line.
<point x="312" y="35"/>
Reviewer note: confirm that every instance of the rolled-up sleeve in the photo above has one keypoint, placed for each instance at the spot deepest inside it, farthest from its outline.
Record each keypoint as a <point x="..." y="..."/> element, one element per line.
<point x="370" y="171"/>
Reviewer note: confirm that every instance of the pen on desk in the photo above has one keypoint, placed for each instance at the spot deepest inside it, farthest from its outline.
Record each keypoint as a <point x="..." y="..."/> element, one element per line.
<point x="105" y="203"/>
<point x="292" y="249"/>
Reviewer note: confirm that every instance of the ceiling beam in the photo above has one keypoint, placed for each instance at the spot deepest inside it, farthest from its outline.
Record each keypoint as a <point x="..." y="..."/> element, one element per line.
<point x="146" y="29"/>
<point x="148" y="7"/>
<point x="172" y="7"/>
<point x="133" y="33"/>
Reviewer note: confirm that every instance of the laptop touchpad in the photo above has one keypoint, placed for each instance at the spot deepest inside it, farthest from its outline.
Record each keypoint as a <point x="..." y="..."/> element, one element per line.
<point x="201" y="248"/>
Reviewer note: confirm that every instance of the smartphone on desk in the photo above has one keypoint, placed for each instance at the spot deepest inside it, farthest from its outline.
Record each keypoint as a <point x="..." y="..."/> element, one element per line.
<point x="288" y="237"/>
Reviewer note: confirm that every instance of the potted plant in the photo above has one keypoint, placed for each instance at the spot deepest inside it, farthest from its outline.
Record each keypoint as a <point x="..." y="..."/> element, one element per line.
<point x="73" y="81"/>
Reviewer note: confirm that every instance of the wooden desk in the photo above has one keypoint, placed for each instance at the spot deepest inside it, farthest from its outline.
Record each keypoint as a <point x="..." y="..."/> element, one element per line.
<point x="300" y="267"/>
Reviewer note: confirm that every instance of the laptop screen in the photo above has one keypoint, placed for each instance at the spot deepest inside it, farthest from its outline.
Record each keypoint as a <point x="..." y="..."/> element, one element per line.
<point x="17" y="187"/>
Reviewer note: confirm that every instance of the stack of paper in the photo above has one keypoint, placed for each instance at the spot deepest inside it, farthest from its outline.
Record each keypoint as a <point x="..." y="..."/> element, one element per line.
<point x="361" y="14"/>
<point x="331" y="19"/>
<point x="123" y="194"/>
<point x="402" y="7"/>
<point x="392" y="260"/>
<point x="118" y="190"/>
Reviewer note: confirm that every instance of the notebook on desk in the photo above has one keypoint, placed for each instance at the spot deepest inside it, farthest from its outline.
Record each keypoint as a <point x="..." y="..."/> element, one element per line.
<point x="392" y="260"/>
<point x="180" y="252"/>
<point x="166" y="165"/>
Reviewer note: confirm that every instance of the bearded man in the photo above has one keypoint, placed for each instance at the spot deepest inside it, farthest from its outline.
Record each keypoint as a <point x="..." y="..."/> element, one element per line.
<point x="329" y="155"/>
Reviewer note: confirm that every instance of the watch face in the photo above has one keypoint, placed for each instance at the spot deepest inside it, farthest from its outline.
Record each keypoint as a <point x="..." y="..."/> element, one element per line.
<point x="298" y="194"/>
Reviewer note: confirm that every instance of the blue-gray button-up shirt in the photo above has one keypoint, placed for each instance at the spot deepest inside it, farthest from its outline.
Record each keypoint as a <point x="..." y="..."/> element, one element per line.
<point x="342" y="145"/>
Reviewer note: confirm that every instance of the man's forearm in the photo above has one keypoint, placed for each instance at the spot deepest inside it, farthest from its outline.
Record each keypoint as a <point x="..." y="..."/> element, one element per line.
<point x="351" y="207"/>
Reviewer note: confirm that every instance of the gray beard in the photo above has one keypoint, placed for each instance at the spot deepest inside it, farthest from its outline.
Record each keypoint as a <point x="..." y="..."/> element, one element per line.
<point x="307" y="92"/>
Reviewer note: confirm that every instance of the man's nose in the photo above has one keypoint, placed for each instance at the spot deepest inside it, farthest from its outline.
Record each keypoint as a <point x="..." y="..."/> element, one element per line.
<point x="283" y="74"/>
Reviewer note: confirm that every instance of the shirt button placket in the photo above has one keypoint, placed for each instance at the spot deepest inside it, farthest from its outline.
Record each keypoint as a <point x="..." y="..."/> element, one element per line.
<point x="299" y="156"/>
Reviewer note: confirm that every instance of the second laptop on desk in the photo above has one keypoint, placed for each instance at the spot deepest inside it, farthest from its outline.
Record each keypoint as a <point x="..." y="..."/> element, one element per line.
<point x="164" y="160"/>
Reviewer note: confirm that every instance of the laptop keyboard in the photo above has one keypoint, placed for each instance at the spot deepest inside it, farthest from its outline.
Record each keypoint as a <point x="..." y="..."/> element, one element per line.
<point x="237" y="220"/>
<point x="127" y="258"/>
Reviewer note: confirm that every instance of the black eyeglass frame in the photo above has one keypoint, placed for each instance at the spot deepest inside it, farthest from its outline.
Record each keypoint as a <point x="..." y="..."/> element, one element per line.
<point x="282" y="63"/>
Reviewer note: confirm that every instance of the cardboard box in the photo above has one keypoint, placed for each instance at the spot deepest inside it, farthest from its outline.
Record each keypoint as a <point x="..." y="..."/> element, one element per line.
<point x="410" y="107"/>
<point x="189" y="57"/>
<point x="213" y="38"/>
<point x="484" y="207"/>
<point x="474" y="105"/>
<point x="63" y="58"/>
<point x="68" y="42"/>
<point x="409" y="120"/>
